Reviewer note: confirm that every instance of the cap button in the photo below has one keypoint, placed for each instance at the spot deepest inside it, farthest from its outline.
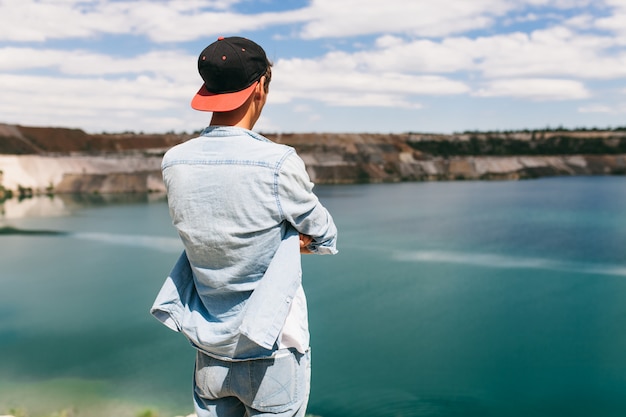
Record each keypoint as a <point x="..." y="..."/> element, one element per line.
<point x="221" y="38"/>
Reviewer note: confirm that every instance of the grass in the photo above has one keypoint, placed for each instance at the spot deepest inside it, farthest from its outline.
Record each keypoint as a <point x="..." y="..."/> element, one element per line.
<point x="71" y="397"/>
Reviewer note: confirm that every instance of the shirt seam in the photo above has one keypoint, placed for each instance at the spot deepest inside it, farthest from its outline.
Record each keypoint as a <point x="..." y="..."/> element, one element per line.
<point x="244" y="162"/>
<point x="278" y="167"/>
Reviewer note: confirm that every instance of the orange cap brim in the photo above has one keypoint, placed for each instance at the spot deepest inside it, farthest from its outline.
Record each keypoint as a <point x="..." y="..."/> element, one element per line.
<point x="204" y="100"/>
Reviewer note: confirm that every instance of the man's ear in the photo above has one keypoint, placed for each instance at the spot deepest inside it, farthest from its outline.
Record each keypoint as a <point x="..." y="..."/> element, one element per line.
<point x="259" y="91"/>
<point x="263" y="84"/>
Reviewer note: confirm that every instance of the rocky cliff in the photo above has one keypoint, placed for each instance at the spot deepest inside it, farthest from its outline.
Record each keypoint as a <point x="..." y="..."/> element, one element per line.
<point x="55" y="160"/>
<point x="349" y="158"/>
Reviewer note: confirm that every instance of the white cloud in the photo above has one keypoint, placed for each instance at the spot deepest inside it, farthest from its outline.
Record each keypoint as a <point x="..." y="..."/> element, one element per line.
<point x="421" y="56"/>
<point x="163" y="21"/>
<point x="172" y="20"/>
<point x="603" y="108"/>
<point x="302" y="108"/>
<point x="554" y="52"/>
<point x="423" y="49"/>
<point x="551" y="52"/>
<point x="364" y="100"/>
<point x="329" y="18"/>
<point x="175" y="65"/>
<point x="538" y="89"/>
<point x="595" y="108"/>
<point x="94" y="104"/>
<point x="343" y="80"/>
<point x="98" y="94"/>
<point x="615" y="23"/>
<point x="560" y="4"/>
<point x="441" y="18"/>
<point x="30" y="20"/>
<point x="582" y="21"/>
<point x="163" y="26"/>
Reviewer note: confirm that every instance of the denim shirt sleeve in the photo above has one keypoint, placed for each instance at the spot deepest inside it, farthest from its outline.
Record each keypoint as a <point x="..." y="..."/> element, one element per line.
<point x="301" y="207"/>
<point x="269" y="304"/>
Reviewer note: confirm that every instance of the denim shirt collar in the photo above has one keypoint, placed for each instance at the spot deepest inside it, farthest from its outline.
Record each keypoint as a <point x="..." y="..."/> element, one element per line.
<point x="225" y="131"/>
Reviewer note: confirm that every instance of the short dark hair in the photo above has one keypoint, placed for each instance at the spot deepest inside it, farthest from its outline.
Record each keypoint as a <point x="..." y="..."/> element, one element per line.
<point x="268" y="76"/>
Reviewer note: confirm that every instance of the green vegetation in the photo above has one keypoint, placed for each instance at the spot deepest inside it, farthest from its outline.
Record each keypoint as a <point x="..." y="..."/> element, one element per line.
<point x="69" y="397"/>
<point x="68" y="412"/>
<point x="549" y="129"/>
<point x="5" y="194"/>
<point x="24" y="192"/>
<point x="497" y="144"/>
<point x="72" y="412"/>
<point x="18" y="412"/>
<point x="148" y="413"/>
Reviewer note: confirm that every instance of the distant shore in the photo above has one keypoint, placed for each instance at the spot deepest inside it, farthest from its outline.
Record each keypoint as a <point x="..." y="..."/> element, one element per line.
<point x="36" y="161"/>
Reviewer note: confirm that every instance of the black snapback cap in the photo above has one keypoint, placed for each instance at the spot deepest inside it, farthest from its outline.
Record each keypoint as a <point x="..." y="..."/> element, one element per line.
<point x="230" y="68"/>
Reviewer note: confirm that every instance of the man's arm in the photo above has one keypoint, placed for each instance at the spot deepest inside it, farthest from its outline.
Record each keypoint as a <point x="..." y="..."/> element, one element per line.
<point x="301" y="207"/>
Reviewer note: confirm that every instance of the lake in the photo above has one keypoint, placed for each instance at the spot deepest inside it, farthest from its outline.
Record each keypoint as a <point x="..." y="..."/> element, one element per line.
<point x="446" y="299"/>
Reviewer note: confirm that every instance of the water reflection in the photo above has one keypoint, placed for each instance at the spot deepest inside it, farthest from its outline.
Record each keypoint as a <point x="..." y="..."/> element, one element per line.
<point x="65" y="204"/>
<point x="8" y="230"/>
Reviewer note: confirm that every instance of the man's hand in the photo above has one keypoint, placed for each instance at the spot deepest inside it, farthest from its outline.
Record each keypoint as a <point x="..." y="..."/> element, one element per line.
<point x="305" y="240"/>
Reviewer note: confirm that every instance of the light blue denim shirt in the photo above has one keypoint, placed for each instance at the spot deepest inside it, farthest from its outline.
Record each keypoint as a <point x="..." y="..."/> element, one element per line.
<point x="238" y="202"/>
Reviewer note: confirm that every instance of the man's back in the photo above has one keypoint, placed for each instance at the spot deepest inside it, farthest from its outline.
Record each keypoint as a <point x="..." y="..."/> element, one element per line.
<point x="224" y="201"/>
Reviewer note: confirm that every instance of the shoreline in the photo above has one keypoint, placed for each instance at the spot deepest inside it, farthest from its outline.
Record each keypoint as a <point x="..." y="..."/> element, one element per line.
<point x="40" y="161"/>
<point x="28" y="175"/>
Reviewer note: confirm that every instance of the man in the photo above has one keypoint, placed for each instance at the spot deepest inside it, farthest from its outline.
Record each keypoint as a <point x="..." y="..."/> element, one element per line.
<point x="244" y="209"/>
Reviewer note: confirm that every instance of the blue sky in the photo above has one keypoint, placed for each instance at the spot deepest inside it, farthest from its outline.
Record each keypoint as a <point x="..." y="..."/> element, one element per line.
<point x="375" y="66"/>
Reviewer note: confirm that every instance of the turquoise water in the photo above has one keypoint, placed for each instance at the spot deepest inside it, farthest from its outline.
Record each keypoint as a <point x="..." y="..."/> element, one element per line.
<point x="447" y="299"/>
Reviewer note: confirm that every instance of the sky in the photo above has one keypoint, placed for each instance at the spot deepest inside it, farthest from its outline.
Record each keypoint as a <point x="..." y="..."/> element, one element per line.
<point x="369" y="66"/>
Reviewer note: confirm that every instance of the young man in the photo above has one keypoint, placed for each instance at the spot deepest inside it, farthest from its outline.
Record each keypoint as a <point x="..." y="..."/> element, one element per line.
<point x="244" y="209"/>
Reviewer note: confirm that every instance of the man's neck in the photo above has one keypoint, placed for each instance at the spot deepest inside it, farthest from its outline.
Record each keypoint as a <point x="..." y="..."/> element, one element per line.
<point x="230" y="119"/>
<point x="244" y="117"/>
